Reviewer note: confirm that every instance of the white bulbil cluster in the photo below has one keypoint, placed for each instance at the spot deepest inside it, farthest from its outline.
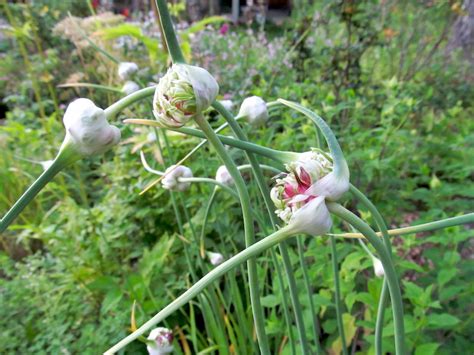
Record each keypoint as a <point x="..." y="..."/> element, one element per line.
<point x="161" y="341"/>
<point x="87" y="129"/>
<point x="130" y="87"/>
<point x="184" y="92"/>
<point x="172" y="176"/>
<point x="215" y="258"/>
<point x="126" y="70"/>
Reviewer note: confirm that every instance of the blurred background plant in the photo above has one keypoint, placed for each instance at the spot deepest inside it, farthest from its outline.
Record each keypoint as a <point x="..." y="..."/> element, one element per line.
<point x="395" y="80"/>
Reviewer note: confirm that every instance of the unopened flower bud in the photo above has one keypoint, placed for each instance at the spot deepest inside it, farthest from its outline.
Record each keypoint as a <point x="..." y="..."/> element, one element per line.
<point x="223" y="176"/>
<point x="184" y="92"/>
<point x="45" y="164"/>
<point x="162" y="339"/>
<point x="254" y="110"/>
<point x="215" y="258"/>
<point x="378" y="267"/>
<point x="126" y="70"/>
<point x="228" y="104"/>
<point x="172" y="175"/>
<point x="130" y="87"/>
<point x="87" y="129"/>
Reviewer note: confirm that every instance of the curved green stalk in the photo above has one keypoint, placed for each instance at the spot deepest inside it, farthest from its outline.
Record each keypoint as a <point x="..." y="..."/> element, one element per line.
<point x="168" y="31"/>
<point x="340" y="164"/>
<point x="248" y="230"/>
<point x="199" y="286"/>
<point x="337" y="296"/>
<point x="276" y="155"/>
<point x="257" y="171"/>
<point x="90" y="85"/>
<point x="65" y="157"/>
<point x="425" y="227"/>
<point x="204" y="222"/>
<point x="392" y="280"/>
<point x="128" y="100"/>
<point x="209" y="181"/>
<point x="384" y="293"/>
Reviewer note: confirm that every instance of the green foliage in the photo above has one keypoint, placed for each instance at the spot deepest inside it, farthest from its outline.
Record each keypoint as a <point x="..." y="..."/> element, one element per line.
<point x="89" y="246"/>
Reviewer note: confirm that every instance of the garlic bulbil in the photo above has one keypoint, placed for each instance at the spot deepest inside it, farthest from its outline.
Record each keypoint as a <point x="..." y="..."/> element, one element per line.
<point x="87" y="129"/>
<point x="378" y="267"/>
<point x="126" y="70"/>
<point x="184" y="92"/>
<point x="223" y="176"/>
<point x="172" y="176"/>
<point x="162" y="339"/>
<point x="300" y="195"/>
<point x="254" y="110"/>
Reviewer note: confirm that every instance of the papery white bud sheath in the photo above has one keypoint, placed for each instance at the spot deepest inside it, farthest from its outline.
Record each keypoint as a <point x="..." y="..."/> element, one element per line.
<point x="313" y="218"/>
<point x="331" y="186"/>
<point x="126" y="70"/>
<point x="46" y="164"/>
<point x="378" y="267"/>
<point x="223" y="176"/>
<point x="163" y="341"/>
<point x="130" y="87"/>
<point x="228" y="104"/>
<point x="172" y="175"/>
<point x="87" y="129"/>
<point x="184" y="92"/>
<point x="254" y="110"/>
<point x="215" y="258"/>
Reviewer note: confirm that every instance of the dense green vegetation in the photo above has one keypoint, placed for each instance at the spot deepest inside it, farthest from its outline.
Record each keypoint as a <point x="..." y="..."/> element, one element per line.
<point x="89" y="245"/>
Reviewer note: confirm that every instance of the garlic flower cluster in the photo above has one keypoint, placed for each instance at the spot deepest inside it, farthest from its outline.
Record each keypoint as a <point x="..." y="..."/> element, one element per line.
<point x="300" y="194"/>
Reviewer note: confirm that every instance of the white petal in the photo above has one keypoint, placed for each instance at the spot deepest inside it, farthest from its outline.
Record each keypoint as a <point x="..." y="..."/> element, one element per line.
<point x="313" y="218"/>
<point x="330" y="186"/>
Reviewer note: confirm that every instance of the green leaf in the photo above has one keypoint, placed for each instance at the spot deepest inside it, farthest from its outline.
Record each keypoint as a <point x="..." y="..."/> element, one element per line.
<point x="427" y="349"/>
<point x="270" y="301"/>
<point x="446" y="275"/>
<point x="442" y="321"/>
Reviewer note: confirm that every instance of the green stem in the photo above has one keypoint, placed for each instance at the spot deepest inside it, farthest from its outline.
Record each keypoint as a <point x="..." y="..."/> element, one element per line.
<point x="64" y="158"/>
<point x="425" y="227"/>
<point x="392" y="280"/>
<point x="168" y="30"/>
<point x="128" y="100"/>
<point x="210" y="181"/>
<point x="340" y="165"/>
<point x="90" y="85"/>
<point x="337" y="295"/>
<point x="384" y="293"/>
<point x="257" y="171"/>
<point x="200" y="285"/>
<point x="248" y="229"/>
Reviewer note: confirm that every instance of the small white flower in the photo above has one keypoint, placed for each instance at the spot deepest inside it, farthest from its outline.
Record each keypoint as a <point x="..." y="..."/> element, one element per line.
<point x="223" y="176"/>
<point x="254" y="110"/>
<point x="228" y="104"/>
<point x="163" y="341"/>
<point x="126" y="70"/>
<point x="172" y="175"/>
<point x="130" y="87"/>
<point x="184" y="92"/>
<point x="215" y="258"/>
<point x="378" y="267"/>
<point x="87" y="129"/>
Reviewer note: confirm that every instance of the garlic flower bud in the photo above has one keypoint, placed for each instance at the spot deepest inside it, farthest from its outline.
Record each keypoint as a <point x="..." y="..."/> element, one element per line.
<point x="184" y="92"/>
<point x="378" y="267"/>
<point x="172" y="175"/>
<point x="130" y="87"/>
<point x="215" y="258"/>
<point x="126" y="70"/>
<point x="254" y="110"/>
<point x="299" y="195"/>
<point x="223" y="176"/>
<point x="87" y="129"/>
<point x="162" y="339"/>
<point x="228" y="104"/>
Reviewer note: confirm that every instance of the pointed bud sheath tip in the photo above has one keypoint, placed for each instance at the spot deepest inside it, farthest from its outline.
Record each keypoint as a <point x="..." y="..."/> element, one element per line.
<point x="313" y="218"/>
<point x="87" y="131"/>
<point x="126" y="70"/>
<point x="184" y="92"/>
<point x="215" y="258"/>
<point x="378" y="267"/>
<point x="172" y="175"/>
<point x="162" y="339"/>
<point x="254" y="110"/>
<point x="223" y="176"/>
